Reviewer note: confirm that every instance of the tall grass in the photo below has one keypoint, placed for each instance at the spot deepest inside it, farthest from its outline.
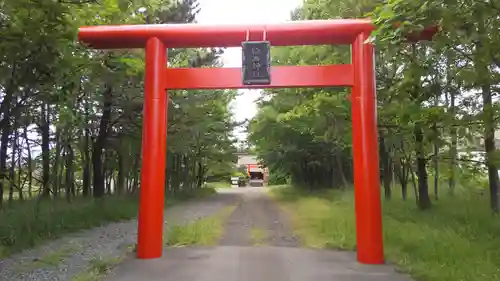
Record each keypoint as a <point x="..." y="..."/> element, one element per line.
<point x="218" y="185"/>
<point x="458" y="239"/>
<point x="25" y="224"/>
<point x="202" y="232"/>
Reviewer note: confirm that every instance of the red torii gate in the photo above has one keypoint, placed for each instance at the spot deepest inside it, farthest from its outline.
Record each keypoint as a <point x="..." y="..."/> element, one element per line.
<point x="359" y="75"/>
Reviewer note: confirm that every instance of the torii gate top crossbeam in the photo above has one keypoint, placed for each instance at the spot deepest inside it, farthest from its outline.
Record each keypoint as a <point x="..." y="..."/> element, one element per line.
<point x="316" y="32"/>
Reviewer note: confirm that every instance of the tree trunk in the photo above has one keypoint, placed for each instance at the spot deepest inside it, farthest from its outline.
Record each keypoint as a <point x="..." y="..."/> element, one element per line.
<point x="100" y="144"/>
<point x="386" y="164"/>
<point x="401" y="173"/>
<point x="12" y="175"/>
<point x="489" y="147"/>
<point x="4" y="144"/>
<point x="44" y="128"/>
<point x="85" y="152"/>
<point x="120" y="182"/>
<point x="20" y="149"/>
<point x="435" y="160"/>
<point x="453" y="131"/>
<point x="30" y="164"/>
<point x="481" y="63"/>
<point x="136" y="173"/>
<point x="55" y="168"/>
<point x="424" y="201"/>
<point x="69" y="179"/>
<point x="413" y="182"/>
<point x="340" y="167"/>
<point x="453" y="149"/>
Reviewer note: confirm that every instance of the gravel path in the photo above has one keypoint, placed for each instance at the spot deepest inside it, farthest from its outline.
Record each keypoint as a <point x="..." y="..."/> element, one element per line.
<point x="258" y="221"/>
<point x="62" y="259"/>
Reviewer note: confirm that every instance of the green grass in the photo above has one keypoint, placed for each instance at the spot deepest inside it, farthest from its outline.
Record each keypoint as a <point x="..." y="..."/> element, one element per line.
<point x="456" y="240"/>
<point x="218" y="185"/>
<point x="98" y="268"/>
<point x="258" y="236"/>
<point x="87" y="275"/>
<point x="202" y="232"/>
<point x="52" y="259"/>
<point x="25" y="224"/>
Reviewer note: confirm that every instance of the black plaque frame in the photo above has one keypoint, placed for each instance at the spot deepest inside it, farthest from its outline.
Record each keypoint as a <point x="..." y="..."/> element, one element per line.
<point x="256" y="64"/>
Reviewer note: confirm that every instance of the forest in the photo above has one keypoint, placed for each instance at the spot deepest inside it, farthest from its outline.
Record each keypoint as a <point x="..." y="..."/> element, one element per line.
<point x="71" y="118"/>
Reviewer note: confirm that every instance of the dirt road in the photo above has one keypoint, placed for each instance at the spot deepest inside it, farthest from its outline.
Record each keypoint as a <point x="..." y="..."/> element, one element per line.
<point x="257" y="220"/>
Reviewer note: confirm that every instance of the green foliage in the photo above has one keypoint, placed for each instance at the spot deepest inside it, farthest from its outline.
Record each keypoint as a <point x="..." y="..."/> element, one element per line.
<point x="239" y="174"/>
<point x="82" y="108"/>
<point x="434" y="99"/>
<point x="277" y="177"/>
<point x="305" y="133"/>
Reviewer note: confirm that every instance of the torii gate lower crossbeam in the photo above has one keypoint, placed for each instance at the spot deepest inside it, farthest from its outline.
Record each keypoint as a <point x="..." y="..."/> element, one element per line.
<point x="359" y="76"/>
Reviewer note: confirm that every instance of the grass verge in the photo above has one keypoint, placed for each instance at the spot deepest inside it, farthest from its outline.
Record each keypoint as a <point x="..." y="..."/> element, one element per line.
<point x="258" y="236"/>
<point x="98" y="268"/>
<point x="202" y="232"/>
<point x="52" y="259"/>
<point x="26" y="224"/>
<point x="218" y="185"/>
<point x="456" y="240"/>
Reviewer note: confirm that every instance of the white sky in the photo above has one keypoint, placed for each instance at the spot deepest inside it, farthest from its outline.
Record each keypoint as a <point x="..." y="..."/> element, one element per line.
<point x="244" y="12"/>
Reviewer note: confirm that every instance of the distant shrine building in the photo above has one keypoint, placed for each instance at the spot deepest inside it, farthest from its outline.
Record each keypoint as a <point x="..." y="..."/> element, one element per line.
<point x="258" y="175"/>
